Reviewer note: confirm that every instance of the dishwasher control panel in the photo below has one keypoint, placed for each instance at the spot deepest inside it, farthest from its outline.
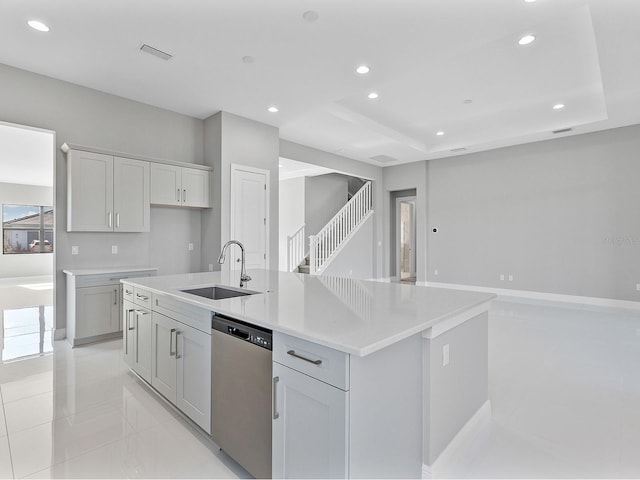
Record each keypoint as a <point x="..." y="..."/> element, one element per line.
<point x="259" y="336"/>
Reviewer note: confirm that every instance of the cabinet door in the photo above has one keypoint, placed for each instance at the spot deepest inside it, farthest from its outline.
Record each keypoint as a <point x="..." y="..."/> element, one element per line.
<point x="194" y="375"/>
<point x="128" y="333"/>
<point x="131" y="208"/>
<point x="163" y="355"/>
<point x="195" y="188"/>
<point x="166" y="184"/>
<point x="89" y="192"/>
<point x="97" y="310"/>
<point x="142" y="348"/>
<point x="310" y="433"/>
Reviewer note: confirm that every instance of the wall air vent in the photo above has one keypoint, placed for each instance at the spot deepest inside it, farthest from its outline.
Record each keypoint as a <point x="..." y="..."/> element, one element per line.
<point x="460" y="149"/>
<point x="383" y="159"/>
<point x="562" y="130"/>
<point x="155" y="52"/>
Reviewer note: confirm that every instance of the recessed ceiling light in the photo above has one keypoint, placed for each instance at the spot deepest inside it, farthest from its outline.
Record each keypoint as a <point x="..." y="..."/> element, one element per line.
<point x="372" y="95"/>
<point x="467" y="101"/>
<point x="310" y="16"/>
<point x="529" y="1"/>
<point x="363" y="69"/>
<point x="440" y="133"/>
<point x="526" y="40"/>
<point x="273" y="109"/>
<point x="248" y="59"/>
<point x="37" y="25"/>
<point x="279" y="165"/>
<point x="558" y="106"/>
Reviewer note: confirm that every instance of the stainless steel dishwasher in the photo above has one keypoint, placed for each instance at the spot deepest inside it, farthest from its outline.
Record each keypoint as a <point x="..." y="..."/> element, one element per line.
<point x="241" y="399"/>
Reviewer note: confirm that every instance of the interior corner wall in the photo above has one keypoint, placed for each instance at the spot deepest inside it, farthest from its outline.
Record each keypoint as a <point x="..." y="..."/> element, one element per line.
<point x="560" y="216"/>
<point x="87" y="117"/>
<point x="324" y="196"/>
<point x="25" y="265"/>
<point x="409" y="177"/>
<point x="291" y="204"/>
<point x="230" y="139"/>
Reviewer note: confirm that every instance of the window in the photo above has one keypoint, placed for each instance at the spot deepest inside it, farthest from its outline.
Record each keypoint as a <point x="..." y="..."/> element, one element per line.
<point x="27" y="229"/>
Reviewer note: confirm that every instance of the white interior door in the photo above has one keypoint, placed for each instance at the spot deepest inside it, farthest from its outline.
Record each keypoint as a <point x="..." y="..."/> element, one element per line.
<point x="249" y="215"/>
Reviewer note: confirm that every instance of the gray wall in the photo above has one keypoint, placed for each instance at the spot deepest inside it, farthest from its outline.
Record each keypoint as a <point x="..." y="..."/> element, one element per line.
<point x="354" y="260"/>
<point x="233" y="139"/>
<point x="290" y="213"/>
<point x="87" y="117"/>
<point x="324" y="196"/>
<point x="25" y="265"/>
<point x="561" y="216"/>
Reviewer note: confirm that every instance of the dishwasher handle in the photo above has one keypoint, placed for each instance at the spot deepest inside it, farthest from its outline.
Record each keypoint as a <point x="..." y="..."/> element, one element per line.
<point x="236" y="332"/>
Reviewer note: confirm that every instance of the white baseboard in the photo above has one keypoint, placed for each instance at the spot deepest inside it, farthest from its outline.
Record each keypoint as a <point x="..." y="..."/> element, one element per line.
<point x="60" y="334"/>
<point x="508" y="294"/>
<point x="475" y="423"/>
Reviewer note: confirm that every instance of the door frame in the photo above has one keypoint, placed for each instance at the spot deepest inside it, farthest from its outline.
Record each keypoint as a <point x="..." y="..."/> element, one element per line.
<point x="414" y="266"/>
<point x="235" y="168"/>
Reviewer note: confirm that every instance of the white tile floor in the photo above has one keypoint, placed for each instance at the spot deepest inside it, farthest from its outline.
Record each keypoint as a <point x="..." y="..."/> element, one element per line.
<point x="564" y="387"/>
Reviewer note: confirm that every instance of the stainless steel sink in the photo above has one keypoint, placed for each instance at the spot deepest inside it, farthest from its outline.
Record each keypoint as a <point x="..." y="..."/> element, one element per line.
<point x="218" y="293"/>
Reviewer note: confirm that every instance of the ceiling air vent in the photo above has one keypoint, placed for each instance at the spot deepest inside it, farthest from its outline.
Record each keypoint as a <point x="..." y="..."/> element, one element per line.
<point x="563" y="130"/>
<point x="155" y="52"/>
<point x="461" y="149"/>
<point x="383" y="159"/>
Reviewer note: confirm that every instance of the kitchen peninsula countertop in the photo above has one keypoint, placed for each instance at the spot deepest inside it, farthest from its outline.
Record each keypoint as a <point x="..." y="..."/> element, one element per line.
<point x="358" y="317"/>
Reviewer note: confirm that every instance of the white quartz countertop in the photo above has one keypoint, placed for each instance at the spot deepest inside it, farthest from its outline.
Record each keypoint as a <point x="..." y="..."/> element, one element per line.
<point x="107" y="270"/>
<point x="354" y="316"/>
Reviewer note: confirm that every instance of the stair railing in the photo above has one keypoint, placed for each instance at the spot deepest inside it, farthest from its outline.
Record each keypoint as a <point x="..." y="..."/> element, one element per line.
<point x="296" y="248"/>
<point x="326" y="244"/>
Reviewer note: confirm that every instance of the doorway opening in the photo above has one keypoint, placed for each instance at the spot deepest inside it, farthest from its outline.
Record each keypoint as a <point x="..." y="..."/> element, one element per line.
<point x="27" y="258"/>
<point x="403" y="266"/>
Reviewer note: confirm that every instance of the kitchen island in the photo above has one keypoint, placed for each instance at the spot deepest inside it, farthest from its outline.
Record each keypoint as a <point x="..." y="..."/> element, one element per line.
<point x="390" y="373"/>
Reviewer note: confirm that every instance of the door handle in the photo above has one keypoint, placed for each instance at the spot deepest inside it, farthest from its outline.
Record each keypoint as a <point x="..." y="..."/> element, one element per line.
<point x="115" y="296"/>
<point x="129" y="320"/>
<point x="172" y="353"/>
<point x="276" y="415"/>
<point x="178" y="332"/>
<point x="178" y="195"/>
<point x="184" y="196"/>
<point x="117" y="220"/>
<point x="110" y="223"/>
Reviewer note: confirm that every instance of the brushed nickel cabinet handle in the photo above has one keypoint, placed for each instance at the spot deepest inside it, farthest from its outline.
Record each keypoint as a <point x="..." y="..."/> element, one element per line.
<point x="178" y="332"/>
<point x="302" y="357"/>
<point x="276" y="415"/>
<point x="117" y="220"/>
<point x="184" y="196"/>
<point x="110" y="224"/>
<point x="142" y="297"/>
<point x="178" y="195"/>
<point x="171" y="351"/>
<point x="129" y="320"/>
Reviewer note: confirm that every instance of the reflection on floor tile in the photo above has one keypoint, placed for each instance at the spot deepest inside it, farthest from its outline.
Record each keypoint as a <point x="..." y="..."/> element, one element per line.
<point x="26" y="331"/>
<point x="564" y="388"/>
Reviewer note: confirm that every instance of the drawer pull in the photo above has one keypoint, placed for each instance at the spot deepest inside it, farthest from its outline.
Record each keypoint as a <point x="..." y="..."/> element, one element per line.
<point x="142" y="297"/>
<point x="276" y="415"/>
<point x="301" y="357"/>
<point x="172" y="352"/>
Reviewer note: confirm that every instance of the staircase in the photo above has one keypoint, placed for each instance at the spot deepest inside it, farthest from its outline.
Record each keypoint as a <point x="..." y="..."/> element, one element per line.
<point x="327" y="244"/>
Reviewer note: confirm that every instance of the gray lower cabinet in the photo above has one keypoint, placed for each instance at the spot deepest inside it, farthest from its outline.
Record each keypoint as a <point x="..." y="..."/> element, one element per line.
<point x="310" y="431"/>
<point x="181" y="367"/>
<point x="137" y="338"/>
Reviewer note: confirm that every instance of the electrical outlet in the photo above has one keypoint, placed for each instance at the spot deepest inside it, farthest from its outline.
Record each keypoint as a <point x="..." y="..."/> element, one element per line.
<point x="191" y="247"/>
<point x="211" y="267"/>
<point x="511" y="278"/>
<point x="445" y="355"/>
<point x="114" y="249"/>
<point x="638" y="287"/>
<point x="435" y="272"/>
<point x="502" y="277"/>
<point x="75" y="250"/>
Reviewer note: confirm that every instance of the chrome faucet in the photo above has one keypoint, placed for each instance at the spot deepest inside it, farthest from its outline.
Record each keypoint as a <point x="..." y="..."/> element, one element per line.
<point x="243" y="274"/>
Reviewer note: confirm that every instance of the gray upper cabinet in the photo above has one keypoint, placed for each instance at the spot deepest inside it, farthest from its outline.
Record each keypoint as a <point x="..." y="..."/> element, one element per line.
<point x="173" y="185"/>
<point x="106" y="193"/>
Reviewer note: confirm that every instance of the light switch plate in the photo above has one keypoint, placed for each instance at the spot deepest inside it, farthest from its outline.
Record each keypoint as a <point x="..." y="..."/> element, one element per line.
<point x="114" y="249"/>
<point x="75" y="250"/>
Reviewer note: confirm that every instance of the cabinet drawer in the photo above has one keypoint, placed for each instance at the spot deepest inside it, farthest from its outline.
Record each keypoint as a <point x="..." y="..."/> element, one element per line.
<point x="324" y="363"/>
<point x="127" y="292"/>
<point x="195" y="317"/>
<point x="142" y="297"/>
